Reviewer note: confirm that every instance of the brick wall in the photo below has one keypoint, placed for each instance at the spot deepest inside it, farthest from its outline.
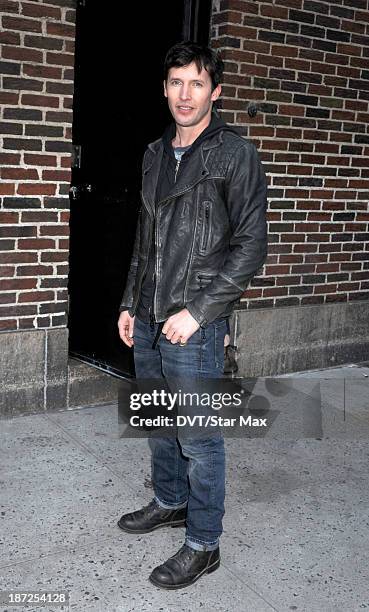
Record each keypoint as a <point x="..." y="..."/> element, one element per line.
<point x="36" y="71"/>
<point x="304" y="65"/>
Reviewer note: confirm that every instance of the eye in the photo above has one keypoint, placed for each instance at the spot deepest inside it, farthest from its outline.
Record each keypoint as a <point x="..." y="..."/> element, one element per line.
<point x="198" y="84"/>
<point x="175" y="82"/>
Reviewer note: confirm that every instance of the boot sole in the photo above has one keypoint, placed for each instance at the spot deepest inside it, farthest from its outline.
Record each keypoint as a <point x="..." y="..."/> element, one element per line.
<point x="181" y="523"/>
<point x="206" y="570"/>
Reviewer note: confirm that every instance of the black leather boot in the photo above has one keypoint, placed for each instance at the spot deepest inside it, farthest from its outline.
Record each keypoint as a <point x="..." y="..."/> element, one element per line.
<point x="152" y="517"/>
<point x="185" y="567"/>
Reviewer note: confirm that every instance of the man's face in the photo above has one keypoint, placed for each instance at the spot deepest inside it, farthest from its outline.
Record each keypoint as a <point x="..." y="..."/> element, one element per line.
<point x="189" y="95"/>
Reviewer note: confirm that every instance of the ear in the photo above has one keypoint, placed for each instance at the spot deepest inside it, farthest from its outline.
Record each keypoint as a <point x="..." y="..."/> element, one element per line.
<point x="165" y="89"/>
<point x="216" y="93"/>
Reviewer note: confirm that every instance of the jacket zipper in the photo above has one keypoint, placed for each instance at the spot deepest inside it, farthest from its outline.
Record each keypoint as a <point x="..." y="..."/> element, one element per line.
<point x="182" y="192"/>
<point x="156" y="244"/>
<point x="176" y="170"/>
<point x="205" y="232"/>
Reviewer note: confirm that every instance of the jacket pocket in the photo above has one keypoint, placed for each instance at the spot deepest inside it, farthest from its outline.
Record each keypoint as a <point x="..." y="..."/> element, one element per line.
<point x="204" y="279"/>
<point x="206" y="224"/>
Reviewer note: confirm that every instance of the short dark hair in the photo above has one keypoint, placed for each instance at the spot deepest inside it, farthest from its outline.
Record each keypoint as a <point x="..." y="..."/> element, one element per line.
<point x="186" y="52"/>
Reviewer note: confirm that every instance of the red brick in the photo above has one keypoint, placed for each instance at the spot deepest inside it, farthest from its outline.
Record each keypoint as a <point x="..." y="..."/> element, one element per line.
<point x="36" y="243"/>
<point x="8" y="217"/>
<point x="54" y="230"/>
<point x="282" y="51"/>
<point x="17" y="257"/>
<point x="35" y="100"/>
<point x="327" y="267"/>
<point x="25" y="25"/>
<point x="356" y="105"/>
<point x="252" y="293"/>
<point x="7" y="189"/>
<point x="269" y="291"/>
<point x="54" y="256"/>
<point x="254" y="129"/>
<point x="291" y="109"/>
<point x="7" y="298"/>
<point x="36" y="216"/>
<point x="279" y="12"/>
<point x="227" y="17"/>
<point x="36" y="189"/>
<point x="64" y="216"/>
<point x="17" y="283"/>
<point x="362" y="16"/>
<point x="300" y="170"/>
<point x="56" y="175"/>
<point x="23" y="54"/>
<point x="66" y="162"/>
<point x="327" y="148"/>
<point x="32" y="9"/>
<point x="32" y="159"/>
<point x="60" y="59"/>
<point x="37" y="270"/>
<point x="9" y="158"/>
<point x="305" y="248"/>
<point x="327" y="288"/>
<point x="9" y="38"/>
<point x="8" y="98"/>
<point x="46" y="72"/>
<point x="6" y="271"/>
<point x="253" y="70"/>
<point x="307" y="227"/>
<point x="348" y="286"/>
<point x="277" y="145"/>
<point x="60" y="29"/>
<point x="9" y="6"/>
<point x="361" y="62"/>
<point x="248" y="94"/>
<point x="355" y="227"/>
<point x="36" y="296"/>
<point x="255" y="46"/>
<point x="292" y="237"/>
<point x="8" y="323"/>
<point x="21" y="174"/>
<point x="278" y="269"/>
<point x="237" y="31"/>
<point x="335" y="182"/>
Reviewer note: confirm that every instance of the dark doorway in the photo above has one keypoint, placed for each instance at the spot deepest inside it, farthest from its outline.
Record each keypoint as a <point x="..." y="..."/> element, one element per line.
<point x="119" y="108"/>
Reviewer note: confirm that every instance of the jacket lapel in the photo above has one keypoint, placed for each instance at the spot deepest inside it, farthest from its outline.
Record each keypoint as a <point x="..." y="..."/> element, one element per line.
<point x="196" y="171"/>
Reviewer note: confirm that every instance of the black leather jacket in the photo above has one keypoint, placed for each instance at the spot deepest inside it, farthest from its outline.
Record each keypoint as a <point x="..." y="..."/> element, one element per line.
<point x="210" y="231"/>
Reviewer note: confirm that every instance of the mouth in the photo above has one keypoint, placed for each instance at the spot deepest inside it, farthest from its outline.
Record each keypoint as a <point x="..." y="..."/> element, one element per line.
<point x="185" y="108"/>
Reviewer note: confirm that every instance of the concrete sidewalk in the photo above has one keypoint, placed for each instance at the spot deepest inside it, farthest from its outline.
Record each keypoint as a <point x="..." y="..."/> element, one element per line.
<point x="296" y="528"/>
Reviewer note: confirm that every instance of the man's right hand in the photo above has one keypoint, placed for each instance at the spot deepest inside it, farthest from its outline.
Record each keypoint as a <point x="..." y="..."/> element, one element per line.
<point x="125" y="326"/>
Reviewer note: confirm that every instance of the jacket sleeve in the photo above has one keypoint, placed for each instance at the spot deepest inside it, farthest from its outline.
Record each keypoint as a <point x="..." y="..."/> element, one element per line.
<point x="246" y="200"/>
<point x="127" y="299"/>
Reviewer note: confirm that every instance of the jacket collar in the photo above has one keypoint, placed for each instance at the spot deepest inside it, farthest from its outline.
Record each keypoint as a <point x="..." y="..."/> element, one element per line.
<point x="196" y="170"/>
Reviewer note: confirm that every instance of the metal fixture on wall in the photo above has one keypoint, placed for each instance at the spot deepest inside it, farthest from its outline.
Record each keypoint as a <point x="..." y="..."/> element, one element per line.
<point x="252" y="110"/>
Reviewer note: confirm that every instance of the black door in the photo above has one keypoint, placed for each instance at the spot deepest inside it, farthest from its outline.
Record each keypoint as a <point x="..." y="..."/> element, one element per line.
<point x="119" y="108"/>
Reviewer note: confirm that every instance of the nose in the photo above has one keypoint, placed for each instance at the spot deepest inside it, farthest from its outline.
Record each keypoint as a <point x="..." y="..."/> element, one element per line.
<point x="184" y="93"/>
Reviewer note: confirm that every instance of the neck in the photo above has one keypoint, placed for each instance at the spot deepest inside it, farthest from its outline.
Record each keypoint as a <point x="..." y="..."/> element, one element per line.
<point x="185" y="136"/>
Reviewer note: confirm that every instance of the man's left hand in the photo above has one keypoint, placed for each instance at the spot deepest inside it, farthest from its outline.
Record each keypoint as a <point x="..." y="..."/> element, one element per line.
<point x="180" y="327"/>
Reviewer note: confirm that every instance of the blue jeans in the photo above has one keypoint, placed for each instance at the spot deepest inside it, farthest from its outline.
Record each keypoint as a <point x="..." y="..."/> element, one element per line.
<point x="184" y="471"/>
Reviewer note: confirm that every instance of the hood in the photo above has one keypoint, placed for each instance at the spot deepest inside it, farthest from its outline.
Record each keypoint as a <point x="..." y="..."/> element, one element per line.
<point x="216" y="125"/>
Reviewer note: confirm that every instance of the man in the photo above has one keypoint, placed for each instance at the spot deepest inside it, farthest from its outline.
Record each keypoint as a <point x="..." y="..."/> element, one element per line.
<point x="201" y="236"/>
